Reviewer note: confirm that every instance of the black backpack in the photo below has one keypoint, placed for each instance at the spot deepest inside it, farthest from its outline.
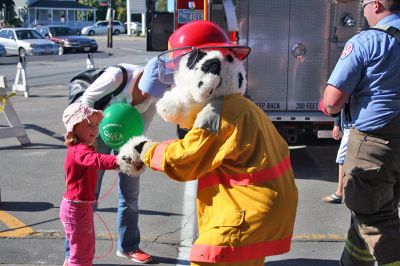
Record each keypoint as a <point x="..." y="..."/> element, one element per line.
<point x="81" y="81"/>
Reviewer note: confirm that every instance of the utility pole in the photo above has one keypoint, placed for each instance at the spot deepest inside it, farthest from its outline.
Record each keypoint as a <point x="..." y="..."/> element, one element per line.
<point x="110" y="24"/>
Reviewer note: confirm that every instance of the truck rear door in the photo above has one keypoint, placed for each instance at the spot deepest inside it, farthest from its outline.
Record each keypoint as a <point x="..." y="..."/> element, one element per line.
<point x="293" y="49"/>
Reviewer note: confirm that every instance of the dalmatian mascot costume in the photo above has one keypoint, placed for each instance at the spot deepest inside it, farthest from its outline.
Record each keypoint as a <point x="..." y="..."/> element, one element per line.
<point x="246" y="197"/>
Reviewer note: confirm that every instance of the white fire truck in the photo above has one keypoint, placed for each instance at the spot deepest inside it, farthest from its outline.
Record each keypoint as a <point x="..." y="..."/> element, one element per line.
<point x="295" y="45"/>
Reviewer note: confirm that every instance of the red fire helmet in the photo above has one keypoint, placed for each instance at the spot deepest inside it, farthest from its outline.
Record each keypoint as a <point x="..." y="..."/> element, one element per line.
<point x="191" y="38"/>
<point x="206" y="35"/>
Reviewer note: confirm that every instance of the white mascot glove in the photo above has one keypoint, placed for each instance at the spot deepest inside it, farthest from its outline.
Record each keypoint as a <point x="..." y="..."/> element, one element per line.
<point x="128" y="157"/>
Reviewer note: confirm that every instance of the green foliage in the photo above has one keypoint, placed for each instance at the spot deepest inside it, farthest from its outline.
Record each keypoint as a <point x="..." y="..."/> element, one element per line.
<point x="92" y="3"/>
<point x="120" y="13"/>
<point x="9" y="6"/>
<point x="120" y="10"/>
<point x="101" y="13"/>
<point x="161" y="6"/>
<point x="14" y="22"/>
<point x="8" y="3"/>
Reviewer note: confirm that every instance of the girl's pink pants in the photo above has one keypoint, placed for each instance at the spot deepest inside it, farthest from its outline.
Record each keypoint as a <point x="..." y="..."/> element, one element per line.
<point x="77" y="219"/>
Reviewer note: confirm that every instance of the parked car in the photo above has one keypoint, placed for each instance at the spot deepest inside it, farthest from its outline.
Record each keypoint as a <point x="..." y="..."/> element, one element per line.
<point x="101" y="27"/>
<point x="25" y="41"/>
<point x="68" y="40"/>
<point x="3" y="51"/>
<point x="136" y="28"/>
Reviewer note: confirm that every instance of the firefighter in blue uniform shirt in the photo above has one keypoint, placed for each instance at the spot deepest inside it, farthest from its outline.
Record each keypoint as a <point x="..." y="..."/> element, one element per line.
<point x="366" y="80"/>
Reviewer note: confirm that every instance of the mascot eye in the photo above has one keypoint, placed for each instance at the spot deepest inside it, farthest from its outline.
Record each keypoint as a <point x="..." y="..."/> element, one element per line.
<point x="212" y="66"/>
<point x="194" y="57"/>
<point x="229" y="58"/>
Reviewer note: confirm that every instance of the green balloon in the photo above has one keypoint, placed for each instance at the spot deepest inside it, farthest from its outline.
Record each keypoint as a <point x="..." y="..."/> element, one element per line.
<point x="121" y="121"/>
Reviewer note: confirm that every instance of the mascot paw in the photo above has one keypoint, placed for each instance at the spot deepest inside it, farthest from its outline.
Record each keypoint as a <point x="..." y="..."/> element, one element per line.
<point x="129" y="156"/>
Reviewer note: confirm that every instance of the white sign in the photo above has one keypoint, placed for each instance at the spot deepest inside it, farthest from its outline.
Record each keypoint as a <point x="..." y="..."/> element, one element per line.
<point x="138" y="6"/>
<point x="108" y="16"/>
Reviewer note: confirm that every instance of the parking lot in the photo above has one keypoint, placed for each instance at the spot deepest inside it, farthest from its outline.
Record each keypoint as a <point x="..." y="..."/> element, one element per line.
<point x="31" y="179"/>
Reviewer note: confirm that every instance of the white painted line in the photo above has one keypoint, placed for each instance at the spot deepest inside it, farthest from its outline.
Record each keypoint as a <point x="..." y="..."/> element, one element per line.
<point x="188" y="224"/>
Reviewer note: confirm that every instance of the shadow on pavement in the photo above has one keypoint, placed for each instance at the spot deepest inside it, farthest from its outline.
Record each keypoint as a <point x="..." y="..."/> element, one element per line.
<point x="33" y="146"/>
<point x="25" y="206"/>
<point x="45" y="131"/>
<point x="303" y="262"/>
<point x="46" y="96"/>
<point x="143" y="212"/>
<point x="154" y="261"/>
<point x="13" y="59"/>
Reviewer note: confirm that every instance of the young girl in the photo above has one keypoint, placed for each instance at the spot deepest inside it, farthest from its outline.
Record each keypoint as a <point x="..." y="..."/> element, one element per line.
<point x="81" y="165"/>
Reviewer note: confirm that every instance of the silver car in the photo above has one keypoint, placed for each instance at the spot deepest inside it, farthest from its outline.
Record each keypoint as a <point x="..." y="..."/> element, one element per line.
<point x="101" y="27"/>
<point x="25" y="41"/>
<point x="2" y="50"/>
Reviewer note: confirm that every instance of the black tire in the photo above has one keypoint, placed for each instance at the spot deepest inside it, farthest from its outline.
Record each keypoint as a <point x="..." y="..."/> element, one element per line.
<point x="22" y="51"/>
<point x="91" y="33"/>
<point x="116" y="32"/>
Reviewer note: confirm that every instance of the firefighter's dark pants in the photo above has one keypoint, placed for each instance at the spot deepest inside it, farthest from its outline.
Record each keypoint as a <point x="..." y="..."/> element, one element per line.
<point x="372" y="192"/>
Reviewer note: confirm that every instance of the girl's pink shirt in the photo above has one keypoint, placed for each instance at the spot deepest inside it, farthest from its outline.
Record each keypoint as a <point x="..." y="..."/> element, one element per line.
<point x="81" y="165"/>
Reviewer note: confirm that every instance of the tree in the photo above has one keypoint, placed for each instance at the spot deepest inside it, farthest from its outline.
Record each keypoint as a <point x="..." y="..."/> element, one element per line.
<point x="9" y="6"/>
<point x="120" y="10"/>
<point x="161" y="6"/>
<point x="101" y="12"/>
<point x="118" y="5"/>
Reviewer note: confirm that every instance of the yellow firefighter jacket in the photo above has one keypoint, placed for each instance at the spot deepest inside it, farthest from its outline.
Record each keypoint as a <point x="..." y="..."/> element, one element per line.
<point x="247" y="197"/>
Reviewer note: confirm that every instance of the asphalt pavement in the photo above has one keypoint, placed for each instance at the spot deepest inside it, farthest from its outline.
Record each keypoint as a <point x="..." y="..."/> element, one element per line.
<point x="31" y="181"/>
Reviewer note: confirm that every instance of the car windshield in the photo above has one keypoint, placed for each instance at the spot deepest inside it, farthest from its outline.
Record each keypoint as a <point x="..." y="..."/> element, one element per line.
<point x="61" y="31"/>
<point x="28" y="34"/>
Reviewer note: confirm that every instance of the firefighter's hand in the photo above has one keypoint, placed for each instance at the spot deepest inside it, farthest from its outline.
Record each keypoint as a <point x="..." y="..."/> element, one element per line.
<point x="128" y="158"/>
<point x="323" y="109"/>
<point x="336" y="133"/>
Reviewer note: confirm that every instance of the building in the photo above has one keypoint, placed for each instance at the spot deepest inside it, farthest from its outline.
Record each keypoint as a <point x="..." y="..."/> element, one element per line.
<point x="55" y="12"/>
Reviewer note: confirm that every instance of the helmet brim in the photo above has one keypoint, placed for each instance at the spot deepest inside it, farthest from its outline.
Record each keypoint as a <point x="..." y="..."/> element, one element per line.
<point x="241" y="52"/>
<point x="169" y="60"/>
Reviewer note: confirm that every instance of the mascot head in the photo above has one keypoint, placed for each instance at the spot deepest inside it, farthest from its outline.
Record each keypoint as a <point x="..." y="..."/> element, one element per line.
<point x="201" y="64"/>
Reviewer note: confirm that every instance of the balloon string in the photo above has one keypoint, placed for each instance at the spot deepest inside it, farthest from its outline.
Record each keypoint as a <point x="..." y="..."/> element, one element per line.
<point x="111" y="238"/>
<point x="109" y="191"/>
<point x="105" y="224"/>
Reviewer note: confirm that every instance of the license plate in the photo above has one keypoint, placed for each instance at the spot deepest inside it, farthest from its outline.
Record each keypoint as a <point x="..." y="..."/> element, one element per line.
<point x="86" y="49"/>
<point x="187" y="15"/>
